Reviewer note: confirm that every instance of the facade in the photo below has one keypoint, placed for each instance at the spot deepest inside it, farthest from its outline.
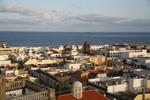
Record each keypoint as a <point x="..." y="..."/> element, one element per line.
<point x="4" y="60"/>
<point x="97" y="59"/>
<point x="2" y="87"/>
<point x="42" y="62"/>
<point x="4" y="57"/>
<point x="136" y="53"/>
<point x="96" y="47"/>
<point x="55" y="55"/>
<point x="148" y="84"/>
<point x="26" y="90"/>
<point x="44" y="77"/>
<point x="141" y="62"/>
<point x="73" y="66"/>
<point x="124" y="54"/>
<point x="8" y="51"/>
<point x="141" y="97"/>
<point x="5" y="63"/>
<point x="11" y="72"/>
<point x="74" y="52"/>
<point x="118" y="87"/>
<point x="137" y="83"/>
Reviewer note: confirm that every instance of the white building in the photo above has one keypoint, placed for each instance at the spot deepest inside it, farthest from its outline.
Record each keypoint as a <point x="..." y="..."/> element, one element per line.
<point x="81" y="58"/>
<point x="118" y="87"/>
<point x="136" y="53"/>
<point x="137" y="83"/>
<point x="10" y="72"/>
<point x="124" y="54"/>
<point x="5" y="63"/>
<point x="14" y="93"/>
<point x="55" y="55"/>
<point x="100" y="77"/>
<point x="18" y="92"/>
<point x="73" y="66"/>
<point x="74" y="52"/>
<point x="96" y="47"/>
<point x="4" y="60"/>
<point x="141" y="62"/>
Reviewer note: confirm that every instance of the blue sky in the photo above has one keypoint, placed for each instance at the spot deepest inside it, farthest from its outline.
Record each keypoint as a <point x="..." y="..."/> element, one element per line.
<point x="75" y="15"/>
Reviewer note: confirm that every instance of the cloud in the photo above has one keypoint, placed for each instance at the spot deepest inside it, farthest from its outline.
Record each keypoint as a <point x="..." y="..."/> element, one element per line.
<point x="97" y="18"/>
<point x="109" y="20"/>
<point x="21" y="21"/>
<point x="137" y="22"/>
<point x="58" y="12"/>
<point x="10" y="8"/>
<point x="57" y="17"/>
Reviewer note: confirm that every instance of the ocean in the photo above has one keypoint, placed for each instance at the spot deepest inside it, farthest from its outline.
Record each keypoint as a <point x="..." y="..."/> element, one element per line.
<point x="72" y="38"/>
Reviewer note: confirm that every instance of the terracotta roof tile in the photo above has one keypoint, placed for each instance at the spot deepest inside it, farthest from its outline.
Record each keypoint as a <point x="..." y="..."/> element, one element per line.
<point x="87" y="95"/>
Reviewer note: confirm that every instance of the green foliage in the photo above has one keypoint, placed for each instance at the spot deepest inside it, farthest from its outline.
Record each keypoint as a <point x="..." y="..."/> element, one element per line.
<point x="62" y="86"/>
<point x="115" y="73"/>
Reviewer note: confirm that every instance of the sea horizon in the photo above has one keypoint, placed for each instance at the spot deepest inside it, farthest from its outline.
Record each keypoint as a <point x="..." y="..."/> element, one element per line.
<point x="26" y="38"/>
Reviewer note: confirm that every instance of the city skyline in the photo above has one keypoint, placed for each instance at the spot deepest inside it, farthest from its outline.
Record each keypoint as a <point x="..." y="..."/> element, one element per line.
<point x="75" y="15"/>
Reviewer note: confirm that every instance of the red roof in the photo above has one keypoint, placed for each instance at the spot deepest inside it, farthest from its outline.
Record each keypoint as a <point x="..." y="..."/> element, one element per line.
<point x="9" y="67"/>
<point x="83" y="80"/>
<point x="87" y="95"/>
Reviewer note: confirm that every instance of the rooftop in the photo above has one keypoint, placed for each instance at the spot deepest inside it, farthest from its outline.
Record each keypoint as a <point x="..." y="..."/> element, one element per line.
<point x="87" y="95"/>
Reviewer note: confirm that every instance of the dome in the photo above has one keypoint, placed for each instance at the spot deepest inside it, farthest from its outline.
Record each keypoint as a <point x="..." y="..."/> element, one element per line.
<point x="77" y="83"/>
<point x="77" y="89"/>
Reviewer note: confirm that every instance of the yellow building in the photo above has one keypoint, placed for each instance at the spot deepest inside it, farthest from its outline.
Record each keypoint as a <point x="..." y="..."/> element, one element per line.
<point x="97" y="59"/>
<point x="148" y="84"/>
<point x="8" y="51"/>
<point x="11" y="78"/>
<point x="140" y="97"/>
<point x="84" y="74"/>
<point x="43" y="62"/>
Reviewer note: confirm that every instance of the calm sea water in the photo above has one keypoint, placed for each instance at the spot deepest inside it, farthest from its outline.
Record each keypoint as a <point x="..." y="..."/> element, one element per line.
<point x="72" y="38"/>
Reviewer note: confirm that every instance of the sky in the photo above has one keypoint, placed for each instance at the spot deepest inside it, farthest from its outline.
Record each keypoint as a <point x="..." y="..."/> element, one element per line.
<point x="75" y="15"/>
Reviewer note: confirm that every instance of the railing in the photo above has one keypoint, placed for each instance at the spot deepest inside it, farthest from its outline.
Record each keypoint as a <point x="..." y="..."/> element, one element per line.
<point x="15" y="85"/>
<point x="44" y="95"/>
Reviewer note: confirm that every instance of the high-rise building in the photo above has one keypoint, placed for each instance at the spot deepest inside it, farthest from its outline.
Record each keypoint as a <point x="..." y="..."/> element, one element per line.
<point x="86" y="47"/>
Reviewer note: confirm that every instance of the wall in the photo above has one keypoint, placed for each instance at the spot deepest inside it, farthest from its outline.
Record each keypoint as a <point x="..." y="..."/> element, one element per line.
<point x="148" y="84"/>
<point x="117" y="88"/>
<point x="5" y="62"/>
<point x="139" y="97"/>
<point x="13" y="93"/>
<point x="136" y="83"/>
<point x="97" y="59"/>
<point x="73" y="67"/>
<point x="2" y="87"/>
